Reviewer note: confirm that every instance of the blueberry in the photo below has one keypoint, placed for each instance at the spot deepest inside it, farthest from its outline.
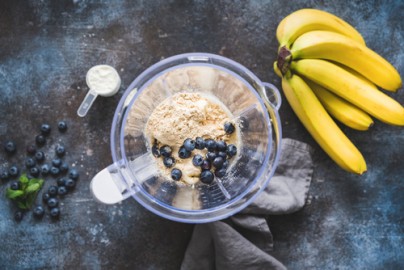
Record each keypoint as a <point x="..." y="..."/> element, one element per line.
<point x="54" y="212"/>
<point x="39" y="156"/>
<point x="52" y="202"/>
<point x="197" y="160"/>
<point x="64" y="167"/>
<point x="168" y="161"/>
<point x="221" y="145"/>
<point x="199" y="143"/>
<point x="62" y="190"/>
<point x="176" y="174"/>
<point x="222" y="154"/>
<point x="229" y="128"/>
<point x="210" y="156"/>
<point x="61" y="181"/>
<point x="18" y="215"/>
<point x="155" y="151"/>
<point x="54" y="171"/>
<point x="40" y="139"/>
<point x="183" y="153"/>
<point x="13" y="171"/>
<point x="10" y="147"/>
<point x="221" y="172"/>
<point x="206" y="165"/>
<point x="189" y="144"/>
<point x="45" y="169"/>
<point x="31" y="149"/>
<point x="53" y="191"/>
<point x="34" y="172"/>
<point x="56" y="162"/>
<point x="210" y="145"/>
<point x="4" y="175"/>
<point x="30" y="162"/>
<point x="225" y="164"/>
<point x="38" y="211"/>
<point x="45" y="129"/>
<point x="60" y="150"/>
<point x="218" y="162"/>
<point x="62" y="126"/>
<point x="45" y="197"/>
<point x="206" y="177"/>
<point x="15" y="185"/>
<point x="231" y="150"/>
<point x="70" y="184"/>
<point x="73" y="174"/>
<point x="165" y="151"/>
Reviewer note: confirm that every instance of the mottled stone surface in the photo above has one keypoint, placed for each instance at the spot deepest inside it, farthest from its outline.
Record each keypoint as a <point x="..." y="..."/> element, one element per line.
<point x="46" y="47"/>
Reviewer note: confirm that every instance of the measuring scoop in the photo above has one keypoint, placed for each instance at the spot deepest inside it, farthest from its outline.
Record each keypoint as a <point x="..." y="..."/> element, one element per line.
<point x="102" y="80"/>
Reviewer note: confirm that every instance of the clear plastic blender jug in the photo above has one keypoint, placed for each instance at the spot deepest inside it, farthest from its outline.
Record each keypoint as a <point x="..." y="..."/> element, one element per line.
<point x="134" y="173"/>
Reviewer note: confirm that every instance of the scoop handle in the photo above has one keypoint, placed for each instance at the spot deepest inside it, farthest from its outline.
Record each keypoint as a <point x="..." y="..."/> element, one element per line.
<point x="87" y="102"/>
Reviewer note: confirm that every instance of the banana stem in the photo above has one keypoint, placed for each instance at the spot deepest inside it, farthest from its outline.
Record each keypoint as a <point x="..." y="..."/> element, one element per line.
<point x="284" y="59"/>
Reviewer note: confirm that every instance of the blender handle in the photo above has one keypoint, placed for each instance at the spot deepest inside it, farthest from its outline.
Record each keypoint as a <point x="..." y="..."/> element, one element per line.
<point x="271" y="95"/>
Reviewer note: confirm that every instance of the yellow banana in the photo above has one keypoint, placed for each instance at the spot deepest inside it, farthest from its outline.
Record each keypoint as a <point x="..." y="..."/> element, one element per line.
<point x="340" y="109"/>
<point x="351" y="88"/>
<point x="305" y="20"/>
<point x="321" y="126"/>
<point x="344" y="50"/>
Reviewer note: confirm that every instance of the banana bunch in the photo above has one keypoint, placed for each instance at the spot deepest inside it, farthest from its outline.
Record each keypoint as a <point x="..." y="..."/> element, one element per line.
<point x="329" y="73"/>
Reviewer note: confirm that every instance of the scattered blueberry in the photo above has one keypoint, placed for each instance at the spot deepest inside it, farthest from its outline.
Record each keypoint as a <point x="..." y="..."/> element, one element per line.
<point x="210" y="145"/>
<point x="222" y="154"/>
<point x="31" y="149"/>
<point x="53" y="191"/>
<point x="10" y="147"/>
<point x="62" y="126"/>
<point x="218" y="162"/>
<point x="64" y="167"/>
<point x="221" y="172"/>
<point x="61" y="181"/>
<point x="206" y="177"/>
<point x="70" y="183"/>
<point x="184" y="153"/>
<point x="62" y="190"/>
<point x="176" y="174"/>
<point x="40" y="139"/>
<point x="231" y="150"/>
<point x="225" y="164"/>
<point x="45" y="169"/>
<point x="199" y="143"/>
<point x="4" y="175"/>
<point x="52" y="202"/>
<point x="206" y="165"/>
<point x="45" y="197"/>
<point x="39" y="156"/>
<point x="38" y="211"/>
<point x="60" y="150"/>
<point x="30" y="162"/>
<point x="54" y="171"/>
<point x="45" y="129"/>
<point x="155" y="151"/>
<point x="18" y="215"/>
<point x="34" y="172"/>
<point x="15" y="185"/>
<point x="56" y="162"/>
<point x="210" y="156"/>
<point x="229" y="128"/>
<point x="54" y="212"/>
<point x="197" y="160"/>
<point x="168" y="161"/>
<point x="189" y="145"/>
<point x="73" y="174"/>
<point x="13" y="171"/>
<point x="165" y="151"/>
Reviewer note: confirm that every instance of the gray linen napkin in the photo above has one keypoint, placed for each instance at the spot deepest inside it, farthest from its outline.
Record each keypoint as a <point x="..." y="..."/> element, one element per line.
<point x="244" y="240"/>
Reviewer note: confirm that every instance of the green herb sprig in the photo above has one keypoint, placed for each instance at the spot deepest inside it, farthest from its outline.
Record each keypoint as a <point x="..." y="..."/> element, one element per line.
<point x="25" y="196"/>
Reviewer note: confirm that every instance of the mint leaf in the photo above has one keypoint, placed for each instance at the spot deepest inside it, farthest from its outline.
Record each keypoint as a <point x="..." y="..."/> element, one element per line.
<point x="24" y="181"/>
<point x="32" y="188"/>
<point x="21" y="205"/>
<point x="34" y="181"/>
<point x="13" y="194"/>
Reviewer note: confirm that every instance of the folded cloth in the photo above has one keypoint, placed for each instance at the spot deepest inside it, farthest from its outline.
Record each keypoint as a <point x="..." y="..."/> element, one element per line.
<point x="244" y="241"/>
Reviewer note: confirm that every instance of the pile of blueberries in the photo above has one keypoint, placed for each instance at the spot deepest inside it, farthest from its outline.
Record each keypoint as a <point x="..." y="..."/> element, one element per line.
<point x="216" y="158"/>
<point x="37" y="168"/>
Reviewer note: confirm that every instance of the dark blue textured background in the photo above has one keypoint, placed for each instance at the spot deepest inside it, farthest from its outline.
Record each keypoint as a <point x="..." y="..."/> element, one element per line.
<point x="46" y="48"/>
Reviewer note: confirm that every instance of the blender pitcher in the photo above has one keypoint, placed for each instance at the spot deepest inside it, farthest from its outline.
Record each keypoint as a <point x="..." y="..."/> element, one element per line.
<point x="134" y="173"/>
